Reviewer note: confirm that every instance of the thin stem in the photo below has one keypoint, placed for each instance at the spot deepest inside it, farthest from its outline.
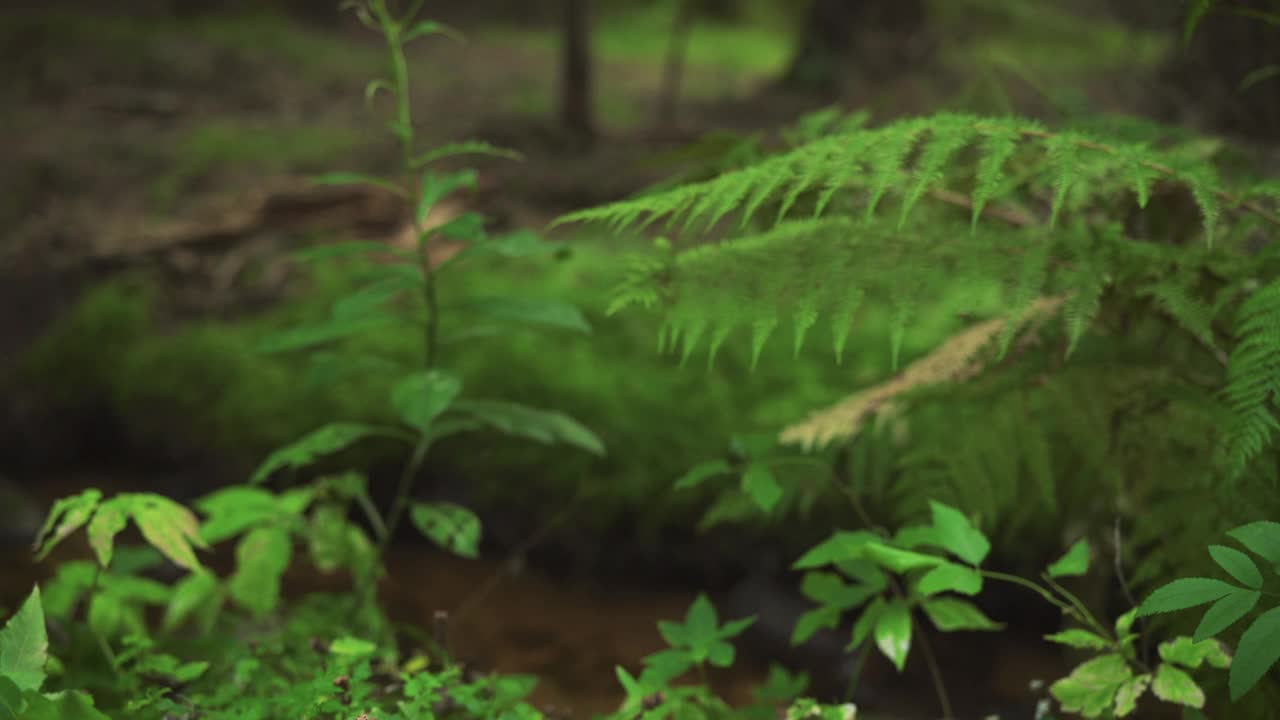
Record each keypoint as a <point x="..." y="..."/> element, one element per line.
<point x="371" y="513"/>
<point x="1028" y="584"/>
<point x="934" y="670"/>
<point x="856" y="674"/>
<point x="1083" y="612"/>
<point x="403" y="490"/>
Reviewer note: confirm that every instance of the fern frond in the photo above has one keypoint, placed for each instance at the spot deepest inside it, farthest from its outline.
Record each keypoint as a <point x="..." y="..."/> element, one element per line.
<point x="956" y="359"/>
<point x="1253" y="379"/>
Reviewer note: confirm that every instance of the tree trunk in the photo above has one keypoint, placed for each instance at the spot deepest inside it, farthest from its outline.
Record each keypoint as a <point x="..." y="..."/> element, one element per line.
<point x="843" y="37"/>
<point x="575" y="85"/>
<point x="673" y="66"/>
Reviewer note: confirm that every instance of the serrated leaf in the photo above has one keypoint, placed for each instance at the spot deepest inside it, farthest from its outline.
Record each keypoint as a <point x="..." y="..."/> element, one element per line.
<point x="423" y="396"/>
<point x="701" y="472"/>
<point x="323" y="441"/>
<point x="1225" y="612"/>
<point x="24" y="645"/>
<point x="1176" y="686"/>
<point x="1192" y="654"/>
<point x="1074" y="563"/>
<point x="68" y="514"/>
<point x="1262" y="538"/>
<point x="893" y="633"/>
<point x="958" y="535"/>
<point x="898" y="561"/>
<point x="327" y="536"/>
<point x="191" y="594"/>
<point x="950" y="614"/>
<point x="331" y="330"/>
<point x="168" y="527"/>
<point x="842" y="545"/>
<point x="262" y="556"/>
<point x="1129" y="693"/>
<point x="436" y="186"/>
<point x="949" y="577"/>
<point x="109" y="520"/>
<point x="545" y="426"/>
<point x="1091" y="687"/>
<point x="232" y="510"/>
<point x="1184" y="593"/>
<point x="450" y="526"/>
<point x="1259" y="649"/>
<point x="1081" y="639"/>
<point x="760" y="485"/>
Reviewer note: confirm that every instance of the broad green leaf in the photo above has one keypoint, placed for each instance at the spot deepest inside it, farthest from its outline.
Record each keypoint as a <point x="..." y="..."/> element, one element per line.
<point x="899" y="561"/>
<point x="323" y="441"/>
<point x="194" y="592"/>
<point x="351" y="178"/>
<point x="1176" y="686"/>
<point x="371" y="299"/>
<point x="1237" y="564"/>
<point x="700" y="620"/>
<point x="262" y="556"/>
<point x="830" y="589"/>
<point x="914" y="536"/>
<point x="24" y="646"/>
<point x="106" y="614"/>
<point x="734" y="628"/>
<point x="70" y="582"/>
<point x="69" y="513"/>
<point x="893" y="633"/>
<point x="331" y="330"/>
<point x="1074" y="563"/>
<point x="233" y="510"/>
<point x="1082" y="639"/>
<point x="1091" y="688"/>
<point x="1262" y="538"/>
<point x="1124" y="623"/>
<point x="108" y="521"/>
<point x="958" y="535"/>
<point x="450" y="526"/>
<point x="720" y="654"/>
<point x="327" y="536"/>
<point x="168" y="527"/>
<point x="701" y="472"/>
<point x="1258" y="650"/>
<point x="20" y="704"/>
<point x="352" y="646"/>
<point x="950" y="614"/>
<point x="842" y="545"/>
<point x="1129" y="693"/>
<point x="1188" y="653"/>
<point x="950" y="577"/>
<point x="423" y="396"/>
<point x="812" y="621"/>
<point x="1184" y="593"/>
<point x="673" y="633"/>
<point x="467" y="227"/>
<point x="866" y="622"/>
<point x="1225" y="612"/>
<point x="423" y="28"/>
<point x="545" y="426"/>
<point x="12" y="706"/>
<point x="527" y="311"/>
<point x="760" y="485"/>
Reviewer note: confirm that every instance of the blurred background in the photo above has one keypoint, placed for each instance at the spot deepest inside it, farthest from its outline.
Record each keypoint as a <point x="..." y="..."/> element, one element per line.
<point x="155" y="156"/>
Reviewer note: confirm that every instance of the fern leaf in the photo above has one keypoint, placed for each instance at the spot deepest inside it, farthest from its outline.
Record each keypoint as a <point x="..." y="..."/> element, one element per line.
<point x="892" y="147"/>
<point x="1030" y="281"/>
<point x="849" y="161"/>
<point x="1141" y="174"/>
<point x="1191" y="314"/>
<point x="761" y="329"/>
<point x="1202" y="180"/>
<point x="805" y="318"/>
<point x="948" y="135"/>
<point x="1064" y="163"/>
<point x="1253" y="379"/>
<point x="997" y="147"/>
<point x="842" y="319"/>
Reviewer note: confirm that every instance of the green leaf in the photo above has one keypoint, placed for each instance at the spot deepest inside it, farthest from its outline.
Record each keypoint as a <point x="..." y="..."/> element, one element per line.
<point x="110" y="519"/>
<point x="331" y="330"/>
<point x="24" y="646"/>
<point x="1081" y="639"/>
<point x="545" y="426"/>
<point x="196" y="592"/>
<point x="950" y="614"/>
<point x="1130" y="692"/>
<point x="528" y="311"/>
<point x="1176" y="686"/>
<point x="702" y="472"/>
<point x="106" y="614"/>
<point x="327" y="536"/>
<point x="423" y="28"/>
<point x="1237" y="564"/>
<point x="69" y="514"/>
<point x="436" y="186"/>
<point x="866" y="622"/>
<point x="1192" y="654"/>
<point x="1262" y="538"/>
<point x="893" y="632"/>
<point x="1184" y="593"/>
<point x="326" y="440"/>
<point x="812" y="621"/>
<point x="351" y="178"/>
<point x="232" y="510"/>
<point x="262" y="556"/>
<point x="328" y="251"/>
<point x="842" y="545"/>
<point x="450" y="526"/>
<point x="168" y="527"/>
<point x="958" y="535"/>
<point x="1091" y="688"/>
<point x="352" y="647"/>
<point x="1225" y="612"/>
<point x="1258" y="650"/>
<point x="830" y="589"/>
<point x="1074" y="563"/>
<point x="950" y="577"/>
<point x="898" y="561"/>
<point x="423" y="396"/>
<point x="466" y="147"/>
<point x="758" y="483"/>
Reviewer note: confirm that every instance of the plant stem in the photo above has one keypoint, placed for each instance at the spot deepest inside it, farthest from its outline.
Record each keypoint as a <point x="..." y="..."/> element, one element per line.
<point x="403" y="490"/>
<point x="934" y="671"/>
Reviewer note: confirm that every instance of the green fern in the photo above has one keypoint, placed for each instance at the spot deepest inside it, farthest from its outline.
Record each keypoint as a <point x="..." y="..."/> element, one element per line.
<point x="1253" y="378"/>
